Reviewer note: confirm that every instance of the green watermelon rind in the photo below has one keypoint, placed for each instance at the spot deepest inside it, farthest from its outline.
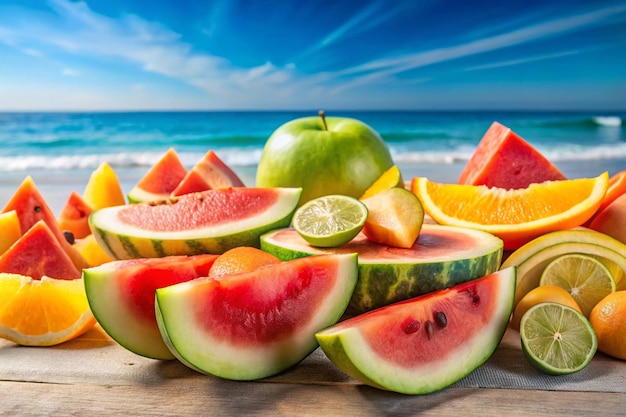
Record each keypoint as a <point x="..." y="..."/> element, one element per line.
<point x="349" y="351"/>
<point x="385" y="281"/>
<point x="121" y="241"/>
<point x="135" y="336"/>
<point x="210" y="355"/>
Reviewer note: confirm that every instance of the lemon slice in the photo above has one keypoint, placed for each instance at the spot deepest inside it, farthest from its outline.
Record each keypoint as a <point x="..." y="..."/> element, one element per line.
<point x="557" y="339"/>
<point x="586" y="278"/>
<point x="330" y="221"/>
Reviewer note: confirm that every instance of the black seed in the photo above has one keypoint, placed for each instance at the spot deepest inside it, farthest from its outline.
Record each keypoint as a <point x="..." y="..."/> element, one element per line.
<point x="474" y="295"/>
<point x="441" y="319"/>
<point x="430" y="330"/>
<point x="37" y="209"/>
<point x="69" y="236"/>
<point x="411" y="326"/>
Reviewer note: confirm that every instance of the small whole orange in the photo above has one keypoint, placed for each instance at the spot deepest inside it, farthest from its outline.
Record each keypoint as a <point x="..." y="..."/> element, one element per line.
<point x="241" y="259"/>
<point x="608" y="319"/>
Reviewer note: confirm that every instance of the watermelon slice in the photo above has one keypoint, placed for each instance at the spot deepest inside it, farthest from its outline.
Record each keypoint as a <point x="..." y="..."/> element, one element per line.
<point x="208" y="174"/>
<point x="442" y="257"/>
<point x="427" y="343"/>
<point x="74" y="216"/>
<point x="212" y="221"/>
<point x="37" y="253"/>
<point x="31" y="207"/>
<point x="255" y="324"/>
<point x="121" y="297"/>
<point x="193" y="182"/>
<point x="160" y="180"/>
<point x="505" y="160"/>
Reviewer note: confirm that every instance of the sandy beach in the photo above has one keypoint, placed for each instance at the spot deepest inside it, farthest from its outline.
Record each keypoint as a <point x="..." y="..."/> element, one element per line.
<point x="55" y="186"/>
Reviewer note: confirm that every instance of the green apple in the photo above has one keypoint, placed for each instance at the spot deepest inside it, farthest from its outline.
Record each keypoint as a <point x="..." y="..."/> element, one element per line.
<point x="323" y="155"/>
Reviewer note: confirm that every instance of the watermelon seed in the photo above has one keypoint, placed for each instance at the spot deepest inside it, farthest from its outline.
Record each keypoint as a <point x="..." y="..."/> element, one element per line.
<point x="441" y="319"/>
<point x="37" y="209"/>
<point x="474" y="295"/>
<point x="69" y="236"/>
<point x="412" y="326"/>
<point x="430" y="330"/>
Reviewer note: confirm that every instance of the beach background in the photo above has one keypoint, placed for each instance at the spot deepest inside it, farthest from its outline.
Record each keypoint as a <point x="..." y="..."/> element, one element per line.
<point x="60" y="150"/>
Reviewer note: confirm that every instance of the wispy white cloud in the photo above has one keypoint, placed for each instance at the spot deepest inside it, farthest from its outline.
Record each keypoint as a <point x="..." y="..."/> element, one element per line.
<point x="70" y="72"/>
<point x="384" y="68"/>
<point x="82" y="32"/>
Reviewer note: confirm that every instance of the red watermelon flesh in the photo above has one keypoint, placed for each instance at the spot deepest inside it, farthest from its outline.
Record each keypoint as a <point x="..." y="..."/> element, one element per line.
<point x="184" y="213"/>
<point x="427" y="343"/>
<point x="121" y="297"/>
<point x="192" y="183"/>
<point x="255" y="324"/>
<point x="74" y="216"/>
<point x="505" y="160"/>
<point x="31" y="207"/>
<point x="37" y="253"/>
<point x="210" y="172"/>
<point x="163" y="177"/>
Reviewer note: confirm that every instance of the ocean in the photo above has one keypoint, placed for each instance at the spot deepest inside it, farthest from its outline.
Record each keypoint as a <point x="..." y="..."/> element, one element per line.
<point x="59" y="150"/>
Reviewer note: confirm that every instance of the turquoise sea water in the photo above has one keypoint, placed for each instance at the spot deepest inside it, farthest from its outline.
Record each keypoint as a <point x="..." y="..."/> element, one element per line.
<point x="58" y="148"/>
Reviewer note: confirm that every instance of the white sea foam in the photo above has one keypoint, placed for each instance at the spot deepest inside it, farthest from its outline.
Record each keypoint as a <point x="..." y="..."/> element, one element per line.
<point x="607" y="121"/>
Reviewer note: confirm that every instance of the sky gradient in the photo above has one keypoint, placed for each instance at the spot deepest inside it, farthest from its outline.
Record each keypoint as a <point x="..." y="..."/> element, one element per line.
<point x="213" y="55"/>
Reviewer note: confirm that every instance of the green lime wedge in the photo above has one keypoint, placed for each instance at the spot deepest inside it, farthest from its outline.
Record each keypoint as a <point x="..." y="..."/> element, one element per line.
<point x="586" y="278"/>
<point x="330" y="221"/>
<point x="557" y="339"/>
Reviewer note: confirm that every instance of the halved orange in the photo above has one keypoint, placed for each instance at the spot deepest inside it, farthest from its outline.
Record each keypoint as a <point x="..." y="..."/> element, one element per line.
<point x="42" y="312"/>
<point x="516" y="215"/>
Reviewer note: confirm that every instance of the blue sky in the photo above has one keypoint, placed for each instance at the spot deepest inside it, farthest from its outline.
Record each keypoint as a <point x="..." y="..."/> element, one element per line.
<point x="282" y="54"/>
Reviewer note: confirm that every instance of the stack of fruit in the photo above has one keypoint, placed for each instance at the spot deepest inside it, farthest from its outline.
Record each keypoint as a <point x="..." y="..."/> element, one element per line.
<point x="395" y="281"/>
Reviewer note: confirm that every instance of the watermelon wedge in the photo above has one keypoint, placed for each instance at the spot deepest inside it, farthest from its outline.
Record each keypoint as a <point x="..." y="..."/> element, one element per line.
<point x="255" y="324"/>
<point x="37" y="253"/>
<point x="442" y="257"/>
<point x="212" y="221"/>
<point x="121" y="297"/>
<point x="74" y="216"/>
<point x="31" y="207"/>
<point x="207" y="174"/>
<point x="503" y="159"/>
<point x="160" y="180"/>
<point x="427" y="343"/>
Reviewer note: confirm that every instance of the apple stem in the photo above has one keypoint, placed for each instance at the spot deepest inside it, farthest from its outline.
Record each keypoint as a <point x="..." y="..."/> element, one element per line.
<point x="323" y="116"/>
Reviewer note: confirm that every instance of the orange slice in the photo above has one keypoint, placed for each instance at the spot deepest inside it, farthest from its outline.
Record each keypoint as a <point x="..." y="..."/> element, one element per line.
<point x="42" y="312"/>
<point x="516" y="215"/>
<point x="391" y="178"/>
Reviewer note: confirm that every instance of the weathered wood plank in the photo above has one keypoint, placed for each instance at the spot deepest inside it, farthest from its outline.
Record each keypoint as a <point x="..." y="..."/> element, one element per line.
<point x="177" y="398"/>
<point x="92" y="375"/>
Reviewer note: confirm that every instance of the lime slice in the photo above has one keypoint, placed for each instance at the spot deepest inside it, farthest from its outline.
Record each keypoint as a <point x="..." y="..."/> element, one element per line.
<point x="330" y="221"/>
<point x="586" y="278"/>
<point x="557" y="339"/>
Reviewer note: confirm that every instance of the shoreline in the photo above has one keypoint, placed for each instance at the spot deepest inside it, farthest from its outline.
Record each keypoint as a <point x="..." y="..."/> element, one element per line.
<point x="56" y="185"/>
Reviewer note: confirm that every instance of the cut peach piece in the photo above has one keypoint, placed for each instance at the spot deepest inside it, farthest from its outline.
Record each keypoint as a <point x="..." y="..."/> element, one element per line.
<point x="612" y="219"/>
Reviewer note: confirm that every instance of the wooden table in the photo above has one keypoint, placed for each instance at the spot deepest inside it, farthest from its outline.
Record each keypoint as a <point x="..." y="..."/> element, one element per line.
<point x="93" y="376"/>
